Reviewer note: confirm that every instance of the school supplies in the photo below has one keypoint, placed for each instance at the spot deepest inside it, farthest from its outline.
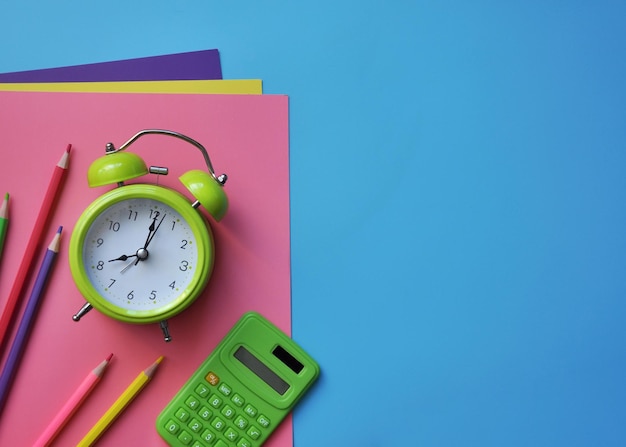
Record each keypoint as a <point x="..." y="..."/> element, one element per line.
<point x="54" y="189"/>
<point x="120" y="404"/>
<point x="72" y="404"/>
<point x="242" y="391"/>
<point x="19" y="343"/>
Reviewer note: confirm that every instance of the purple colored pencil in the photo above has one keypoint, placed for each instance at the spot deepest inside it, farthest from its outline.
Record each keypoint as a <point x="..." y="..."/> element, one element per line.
<point x="26" y="324"/>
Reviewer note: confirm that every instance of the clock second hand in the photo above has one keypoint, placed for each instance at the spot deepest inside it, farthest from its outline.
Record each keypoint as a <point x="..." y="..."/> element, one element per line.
<point x="129" y="265"/>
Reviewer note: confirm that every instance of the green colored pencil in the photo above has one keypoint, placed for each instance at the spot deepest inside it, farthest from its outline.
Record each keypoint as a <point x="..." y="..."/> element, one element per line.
<point x="4" y="220"/>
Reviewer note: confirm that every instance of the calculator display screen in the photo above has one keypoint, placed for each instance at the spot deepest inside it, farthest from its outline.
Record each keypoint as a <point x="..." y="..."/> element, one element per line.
<point x="261" y="370"/>
<point x="288" y="359"/>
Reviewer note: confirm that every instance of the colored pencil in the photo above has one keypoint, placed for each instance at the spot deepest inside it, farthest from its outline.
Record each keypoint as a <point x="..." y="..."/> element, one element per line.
<point x="120" y="404"/>
<point x="60" y="171"/>
<point x="4" y="220"/>
<point x="21" y="337"/>
<point x="72" y="404"/>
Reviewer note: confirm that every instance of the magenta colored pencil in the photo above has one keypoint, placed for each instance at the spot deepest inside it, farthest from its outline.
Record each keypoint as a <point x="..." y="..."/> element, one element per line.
<point x="26" y="323"/>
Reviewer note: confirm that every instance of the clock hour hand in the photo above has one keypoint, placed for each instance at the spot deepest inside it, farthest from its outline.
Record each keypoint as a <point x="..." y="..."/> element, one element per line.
<point x="142" y="255"/>
<point x="122" y="258"/>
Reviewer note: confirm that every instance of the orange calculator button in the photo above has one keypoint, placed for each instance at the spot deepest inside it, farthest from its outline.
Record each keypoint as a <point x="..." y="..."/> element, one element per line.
<point x="212" y="378"/>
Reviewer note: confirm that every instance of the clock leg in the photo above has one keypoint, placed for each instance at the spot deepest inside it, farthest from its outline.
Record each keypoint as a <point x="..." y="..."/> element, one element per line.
<point x="166" y="331"/>
<point x="82" y="312"/>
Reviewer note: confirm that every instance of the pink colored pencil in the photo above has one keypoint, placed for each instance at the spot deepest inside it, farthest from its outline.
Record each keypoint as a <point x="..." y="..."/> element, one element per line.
<point x="36" y="236"/>
<point x="70" y="407"/>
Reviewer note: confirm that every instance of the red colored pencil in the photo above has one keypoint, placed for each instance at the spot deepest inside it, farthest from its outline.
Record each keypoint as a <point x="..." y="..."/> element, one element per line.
<point x="60" y="170"/>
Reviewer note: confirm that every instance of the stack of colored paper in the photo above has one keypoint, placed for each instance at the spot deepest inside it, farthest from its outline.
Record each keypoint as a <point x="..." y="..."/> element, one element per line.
<point x="88" y="106"/>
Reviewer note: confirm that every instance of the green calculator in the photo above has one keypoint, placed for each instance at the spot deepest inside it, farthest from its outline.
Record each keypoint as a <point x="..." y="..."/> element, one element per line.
<point x="242" y="391"/>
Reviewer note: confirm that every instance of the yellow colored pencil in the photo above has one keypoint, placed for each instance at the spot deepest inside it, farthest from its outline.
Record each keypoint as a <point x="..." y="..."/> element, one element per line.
<point x="120" y="404"/>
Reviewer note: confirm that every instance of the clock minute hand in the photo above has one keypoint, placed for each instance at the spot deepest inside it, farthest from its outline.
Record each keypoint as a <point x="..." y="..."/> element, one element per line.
<point x="155" y="231"/>
<point x="148" y="238"/>
<point x="150" y="230"/>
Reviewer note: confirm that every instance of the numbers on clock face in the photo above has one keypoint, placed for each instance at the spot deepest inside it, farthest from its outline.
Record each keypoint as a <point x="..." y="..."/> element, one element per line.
<point x="140" y="254"/>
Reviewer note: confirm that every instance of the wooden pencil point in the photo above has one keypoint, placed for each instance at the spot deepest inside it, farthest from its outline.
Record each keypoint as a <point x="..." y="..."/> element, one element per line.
<point x="4" y="207"/>
<point x="64" y="161"/>
<point x="150" y="370"/>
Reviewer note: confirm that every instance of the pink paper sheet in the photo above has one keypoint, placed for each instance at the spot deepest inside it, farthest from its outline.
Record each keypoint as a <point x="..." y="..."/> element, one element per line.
<point x="247" y="138"/>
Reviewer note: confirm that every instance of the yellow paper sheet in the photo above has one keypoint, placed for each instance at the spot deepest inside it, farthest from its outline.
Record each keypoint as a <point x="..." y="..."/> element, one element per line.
<point x="214" y="86"/>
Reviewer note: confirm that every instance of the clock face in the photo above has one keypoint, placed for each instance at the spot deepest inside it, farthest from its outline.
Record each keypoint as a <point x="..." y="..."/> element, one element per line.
<point x="141" y="256"/>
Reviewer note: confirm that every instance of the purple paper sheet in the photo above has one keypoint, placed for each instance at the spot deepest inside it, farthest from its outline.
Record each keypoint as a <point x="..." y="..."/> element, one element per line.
<point x="193" y="65"/>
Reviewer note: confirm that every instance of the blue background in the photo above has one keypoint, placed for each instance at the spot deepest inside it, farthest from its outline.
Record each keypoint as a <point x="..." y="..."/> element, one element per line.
<point x="457" y="200"/>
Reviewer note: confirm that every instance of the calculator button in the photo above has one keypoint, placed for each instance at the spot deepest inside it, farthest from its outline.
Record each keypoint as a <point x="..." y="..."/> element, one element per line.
<point x="192" y="402"/>
<point x="253" y="432"/>
<point x="208" y="436"/>
<point x="264" y="421"/>
<point x="205" y="413"/>
<point x="212" y="378"/>
<point x="241" y="423"/>
<point x="195" y="425"/>
<point x="228" y="412"/>
<point x="225" y="389"/>
<point x="215" y="401"/>
<point x="182" y="414"/>
<point x="202" y="390"/>
<point x="218" y="424"/>
<point x="197" y="444"/>
<point x="172" y="426"/>
<point x="230" y="434"/>
<point x="243" y="442"/>
<point x="250" y="410"/>
<point x="185" y="438"/>
<point x="237" y="400"/>
<point x="220" y="443"/>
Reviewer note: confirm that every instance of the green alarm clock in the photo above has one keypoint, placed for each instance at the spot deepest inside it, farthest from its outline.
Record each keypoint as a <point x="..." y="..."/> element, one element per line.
<point x="142" y="253"/>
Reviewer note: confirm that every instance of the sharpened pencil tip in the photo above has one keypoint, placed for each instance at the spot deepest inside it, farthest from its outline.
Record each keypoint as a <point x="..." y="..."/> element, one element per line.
<point x="108" y="359"/>
<point x="150" y="370"/>
<point x="4" y="207"/>
<point x="60" y="229"/>
<point x="56" y="242"/>
<point x="64" y="161"/>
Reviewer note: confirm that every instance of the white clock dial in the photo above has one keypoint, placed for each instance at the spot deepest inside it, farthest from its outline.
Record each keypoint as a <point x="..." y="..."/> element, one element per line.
<point x="140" y="254"/>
